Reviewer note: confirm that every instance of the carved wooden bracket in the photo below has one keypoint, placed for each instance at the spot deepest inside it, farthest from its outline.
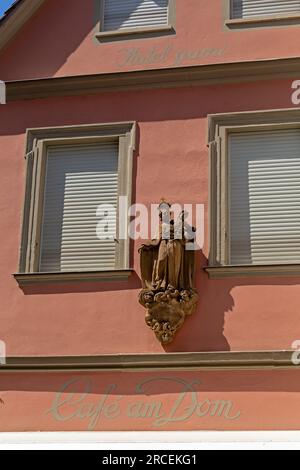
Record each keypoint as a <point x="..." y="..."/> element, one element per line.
<point x="167" y="270"/>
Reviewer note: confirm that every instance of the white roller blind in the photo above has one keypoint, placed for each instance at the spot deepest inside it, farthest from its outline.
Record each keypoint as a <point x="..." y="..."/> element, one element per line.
<point x="123" y="14"/>
<point x="78" y="179"/>
<point x="252" y="8"/>
<point x="264" y="184"/>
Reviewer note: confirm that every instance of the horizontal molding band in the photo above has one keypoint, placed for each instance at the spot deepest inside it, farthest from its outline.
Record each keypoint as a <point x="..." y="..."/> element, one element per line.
<point x="232" y="72"/>
<point x="16" y="17"/>
<point x="28" y="279"/>
<point x="270" y="270"/>
<point x="204" y="360"/>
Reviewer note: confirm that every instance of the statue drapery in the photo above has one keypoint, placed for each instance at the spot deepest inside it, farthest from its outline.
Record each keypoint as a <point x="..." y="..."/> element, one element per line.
<point x="167" y="271"/>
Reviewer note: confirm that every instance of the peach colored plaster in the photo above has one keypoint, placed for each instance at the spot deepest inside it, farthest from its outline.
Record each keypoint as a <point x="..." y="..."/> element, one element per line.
<point x="168" y="401"/>
<point x="59" y="41"/>
<point x="234" y="314"/>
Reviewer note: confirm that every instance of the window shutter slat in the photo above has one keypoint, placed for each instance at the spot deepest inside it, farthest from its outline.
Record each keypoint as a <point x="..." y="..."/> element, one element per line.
<point x="253" y="8"/>
<point x="125" y="14"/>
<point x="264" y="180"/>
<point x="78" y="179"/>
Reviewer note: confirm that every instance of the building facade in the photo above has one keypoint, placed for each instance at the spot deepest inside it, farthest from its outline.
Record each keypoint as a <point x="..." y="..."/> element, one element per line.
<point x="193" y="101"/>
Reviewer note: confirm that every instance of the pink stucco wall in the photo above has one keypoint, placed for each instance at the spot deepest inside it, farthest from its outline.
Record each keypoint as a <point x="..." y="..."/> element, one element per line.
<point x="234" y="314"/>
<point x="152" y="401"/>
<point x="171" y="161"/>
<point x="59" y="41"/>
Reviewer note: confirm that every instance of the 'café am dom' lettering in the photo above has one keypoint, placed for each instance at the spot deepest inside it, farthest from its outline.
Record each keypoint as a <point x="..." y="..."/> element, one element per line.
<point x="68" y="404"/>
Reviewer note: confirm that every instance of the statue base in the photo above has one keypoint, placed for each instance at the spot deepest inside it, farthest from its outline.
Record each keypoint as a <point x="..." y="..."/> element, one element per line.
<point x="167" y="310"/>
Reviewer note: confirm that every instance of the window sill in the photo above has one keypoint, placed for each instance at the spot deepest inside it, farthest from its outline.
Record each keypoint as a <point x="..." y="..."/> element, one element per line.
<point x="132" y="33"/>
<point x="27" y="279"/>
<point x="282" y="270"/>
<point x="280" y="20"/>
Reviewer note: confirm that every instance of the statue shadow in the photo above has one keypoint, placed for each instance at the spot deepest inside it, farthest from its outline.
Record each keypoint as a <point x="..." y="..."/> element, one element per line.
<point x="204" y="329"/>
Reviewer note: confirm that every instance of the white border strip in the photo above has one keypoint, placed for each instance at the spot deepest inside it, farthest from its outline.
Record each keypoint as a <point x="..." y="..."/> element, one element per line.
<point x="152" y="440"/>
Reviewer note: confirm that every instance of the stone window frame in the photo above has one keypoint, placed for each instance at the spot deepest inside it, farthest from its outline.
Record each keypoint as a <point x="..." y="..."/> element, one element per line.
<point x="133" y="33"/>
<point x="219" y="127"/>
<point x="258" y="21"/>
<point x="38" y="141"/>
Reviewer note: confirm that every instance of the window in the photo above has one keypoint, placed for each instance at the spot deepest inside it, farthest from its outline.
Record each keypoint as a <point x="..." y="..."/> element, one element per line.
<point x="263" y="8"/>
<point x="132" y="17"/>
<point x="78" y="179"/>
<point x="263" y="13"/>
<point x="264" y="205"/>
<point x="255" y="197"/>
<point x="70" y="173"/>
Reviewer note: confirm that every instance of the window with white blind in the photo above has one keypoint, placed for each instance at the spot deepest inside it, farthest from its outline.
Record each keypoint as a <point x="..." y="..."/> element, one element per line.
<point x="78" y="192"/>
<point x="134" y="13"/>
<point x="254" y="193"/>
<point x="248" y="9"/>
<point x="79" y="178"/>
<point x="132" y="17"/>
<point x="264" y="197"/>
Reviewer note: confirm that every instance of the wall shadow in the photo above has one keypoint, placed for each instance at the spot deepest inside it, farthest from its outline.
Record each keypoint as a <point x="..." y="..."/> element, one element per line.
<point x="206" y="326"/>
<point x="151" y="383"/>
<point x="41" y="50"/>
<point x="204" y="330"/>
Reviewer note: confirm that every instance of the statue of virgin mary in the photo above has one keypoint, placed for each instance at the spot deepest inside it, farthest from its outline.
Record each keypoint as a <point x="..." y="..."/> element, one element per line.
<point x="165" y="262"/>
